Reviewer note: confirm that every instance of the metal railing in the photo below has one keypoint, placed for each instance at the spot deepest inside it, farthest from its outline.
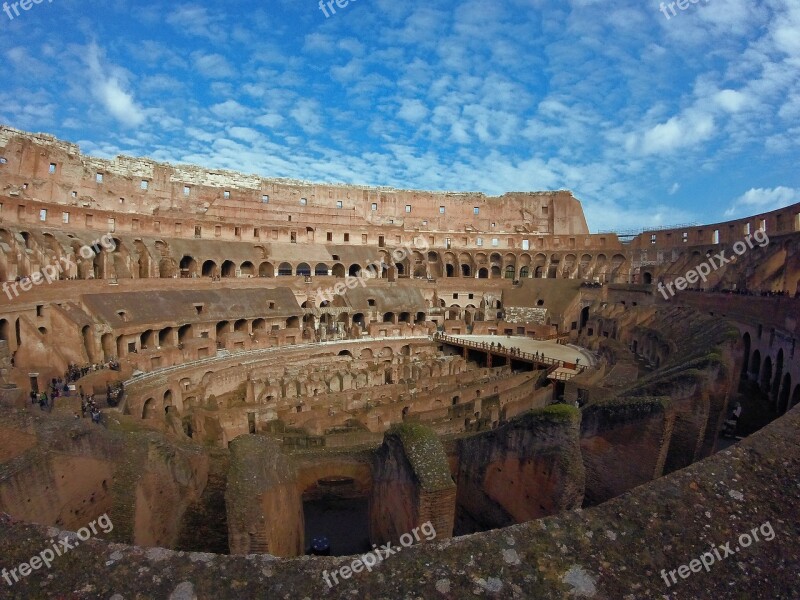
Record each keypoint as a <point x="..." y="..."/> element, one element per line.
<point x="535" y="358"/>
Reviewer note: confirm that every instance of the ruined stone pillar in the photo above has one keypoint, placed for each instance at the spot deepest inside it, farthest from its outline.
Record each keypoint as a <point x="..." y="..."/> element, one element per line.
<point x="411" y="485"/>
<point x="264" y="508"/>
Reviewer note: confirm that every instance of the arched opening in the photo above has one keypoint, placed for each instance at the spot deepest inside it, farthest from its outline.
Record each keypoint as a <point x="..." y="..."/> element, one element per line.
<point x="209" y="268"/>
<point x="185" y="333"/>
<point x="240" y="326"/>
<point x="228" y="269"/>
<point x="388" y="317"/>
<point x="284" y="270"/>
<point x="188" y="267"/>
<point x="88" y="342"/>
<point x="304" y="270"/>
<point x="450" y="270"/>
<point x="248" y="269"/>
<point x="647" y="278"/>
<point x="755" y="365"/>
<point x="266" y="269"/>
<point x="149" y="409"/>
<point x="168" y="407"/>
<point x="354" y="270"/>
<point x="338" y="270"/>
<point x="776" y="380"/>
<point x="524" y="272"/>
<point x="495" y="272"/>
<point x="4" y="330"/>
<point x="783" y="395"/>
<point x="466" y="270"/>
<point x="166" y="337"/>
<point x="321" y="270"/>
<point x="109" y="346"/>
<point x="766" y="374"/>
<point x="746" y="361"/>
<point x="510" y="272"/>
<point x="584" y="317"/>
<point x="483" y="273"/>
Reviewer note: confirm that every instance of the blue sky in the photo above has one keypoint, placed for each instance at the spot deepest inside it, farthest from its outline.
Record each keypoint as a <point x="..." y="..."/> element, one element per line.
<point x="649" y="121"/>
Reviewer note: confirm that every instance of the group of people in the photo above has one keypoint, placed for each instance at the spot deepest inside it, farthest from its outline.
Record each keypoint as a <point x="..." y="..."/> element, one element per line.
<point x="74" y="372"/>
<point x="88" y="405"/>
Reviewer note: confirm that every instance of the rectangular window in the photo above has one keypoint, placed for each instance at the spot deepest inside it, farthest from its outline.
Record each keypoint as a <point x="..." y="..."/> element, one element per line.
<point x="455" y="296"/>
<point x="198" y="232"/>
<point x="495" y="242"/>
<point x="186" y="190"/>
<point x="237" y="231"/>
<point x="144" y="185"/>
<point x="99" y="178"/>
<point x="52" y="169"/>
<point x="544" y="210"/>
<point x="526" y="245"/>
<point x="685" y="236"/>
<point x="653" y="238"/>
<point x="156" y="225"/>
<point x="762" y="224"/>
<point x="65" y="218"/>
<point x="303" y="201"/>
<point x="43" y="215"/>
<point x="226" y="195"/>
<point x="74" y="194"/>
<point x="329" y="236"/>
<point x="112" y="225"/>
<point x="408" y="208"/>
<point x="441" y="210"/>
<point x="177" y="228"/>
<point x="293" y="237"/>
<point x="339" y="204"/>
<point x="476" y="211"/>
<point x="479" y="241"/>
<point x="346" y="237"/>
<point x="364" y="238"/>
<point x="494" y="225"/>
<point x="135" y="224"/>
<point x="89" y="219"/>
<point x="265" y="199"/>
<point x="374" y="206"/>
<point x="256" y="233"/>
<point x="715" y="239"/>
<point x="217" y="231"/>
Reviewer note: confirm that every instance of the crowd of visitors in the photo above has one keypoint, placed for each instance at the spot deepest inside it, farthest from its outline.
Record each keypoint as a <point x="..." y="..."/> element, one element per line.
<point x="75" y="372"/>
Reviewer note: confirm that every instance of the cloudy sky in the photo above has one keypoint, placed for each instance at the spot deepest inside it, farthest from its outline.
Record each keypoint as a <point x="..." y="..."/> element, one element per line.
<point x="649" y="120"/>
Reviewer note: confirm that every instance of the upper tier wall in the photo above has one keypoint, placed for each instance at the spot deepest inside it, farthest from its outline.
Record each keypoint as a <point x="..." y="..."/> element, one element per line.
<point x="43" y="168"/>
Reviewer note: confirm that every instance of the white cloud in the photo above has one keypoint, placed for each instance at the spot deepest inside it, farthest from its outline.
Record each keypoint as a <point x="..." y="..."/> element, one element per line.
<point x="108" y="90"/>
<point x="757" y="200"/>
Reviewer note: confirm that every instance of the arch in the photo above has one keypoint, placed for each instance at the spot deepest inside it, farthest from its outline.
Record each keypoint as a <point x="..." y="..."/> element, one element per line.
<point x="783" y="395"/>
<point x="266" y="269"/>
<point x="766" y="374"/>
<point x="88" y="342"/>
<point x="338" y="270"/>
<point x="109" y="346"/>
<point x="209" y="268"/>
<point x="149" y="408"/>
<point x="259" y="325"/>
<point x="185" y="333"/>
<point x="321" y="270"/>
<point x="188" y="266"/>
<point x="247" y="269"/>
<point x="354" y="270"/>
<point x="4" y="330"/>
<point x="795" y="396"/>
<point x="293" y="323"/>
<point x="755" y="364"/>
<point x="776" y="380"/>
<point x="228" y="269"/>
<point x="746" y="362"/>
<point x="388" y="317"/>
<point x="240" y="326"/>
<point x="510" y="272"/>
<point x="168" y="405"/>
<point x="524" y="272"/>
<point x="304" y="270"/>
<point x="495" y="272"/>
<point x="647" y="278"/>
<point x="284" y="269"/>
<point x="483" y="273"/>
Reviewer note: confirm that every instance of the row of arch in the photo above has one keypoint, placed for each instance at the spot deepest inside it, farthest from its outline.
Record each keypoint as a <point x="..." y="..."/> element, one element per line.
<point x="771" y="375"/>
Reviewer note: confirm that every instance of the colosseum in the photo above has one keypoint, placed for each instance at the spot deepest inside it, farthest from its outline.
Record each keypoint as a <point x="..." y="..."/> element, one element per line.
<point x="216" y="385"/>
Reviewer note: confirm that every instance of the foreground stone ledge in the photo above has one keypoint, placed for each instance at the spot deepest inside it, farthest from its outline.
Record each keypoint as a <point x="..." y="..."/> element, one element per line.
<point x="615" y="551"/>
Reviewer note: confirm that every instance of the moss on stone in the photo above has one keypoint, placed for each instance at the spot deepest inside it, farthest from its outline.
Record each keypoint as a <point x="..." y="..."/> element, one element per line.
<point x="426" y="454"/>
